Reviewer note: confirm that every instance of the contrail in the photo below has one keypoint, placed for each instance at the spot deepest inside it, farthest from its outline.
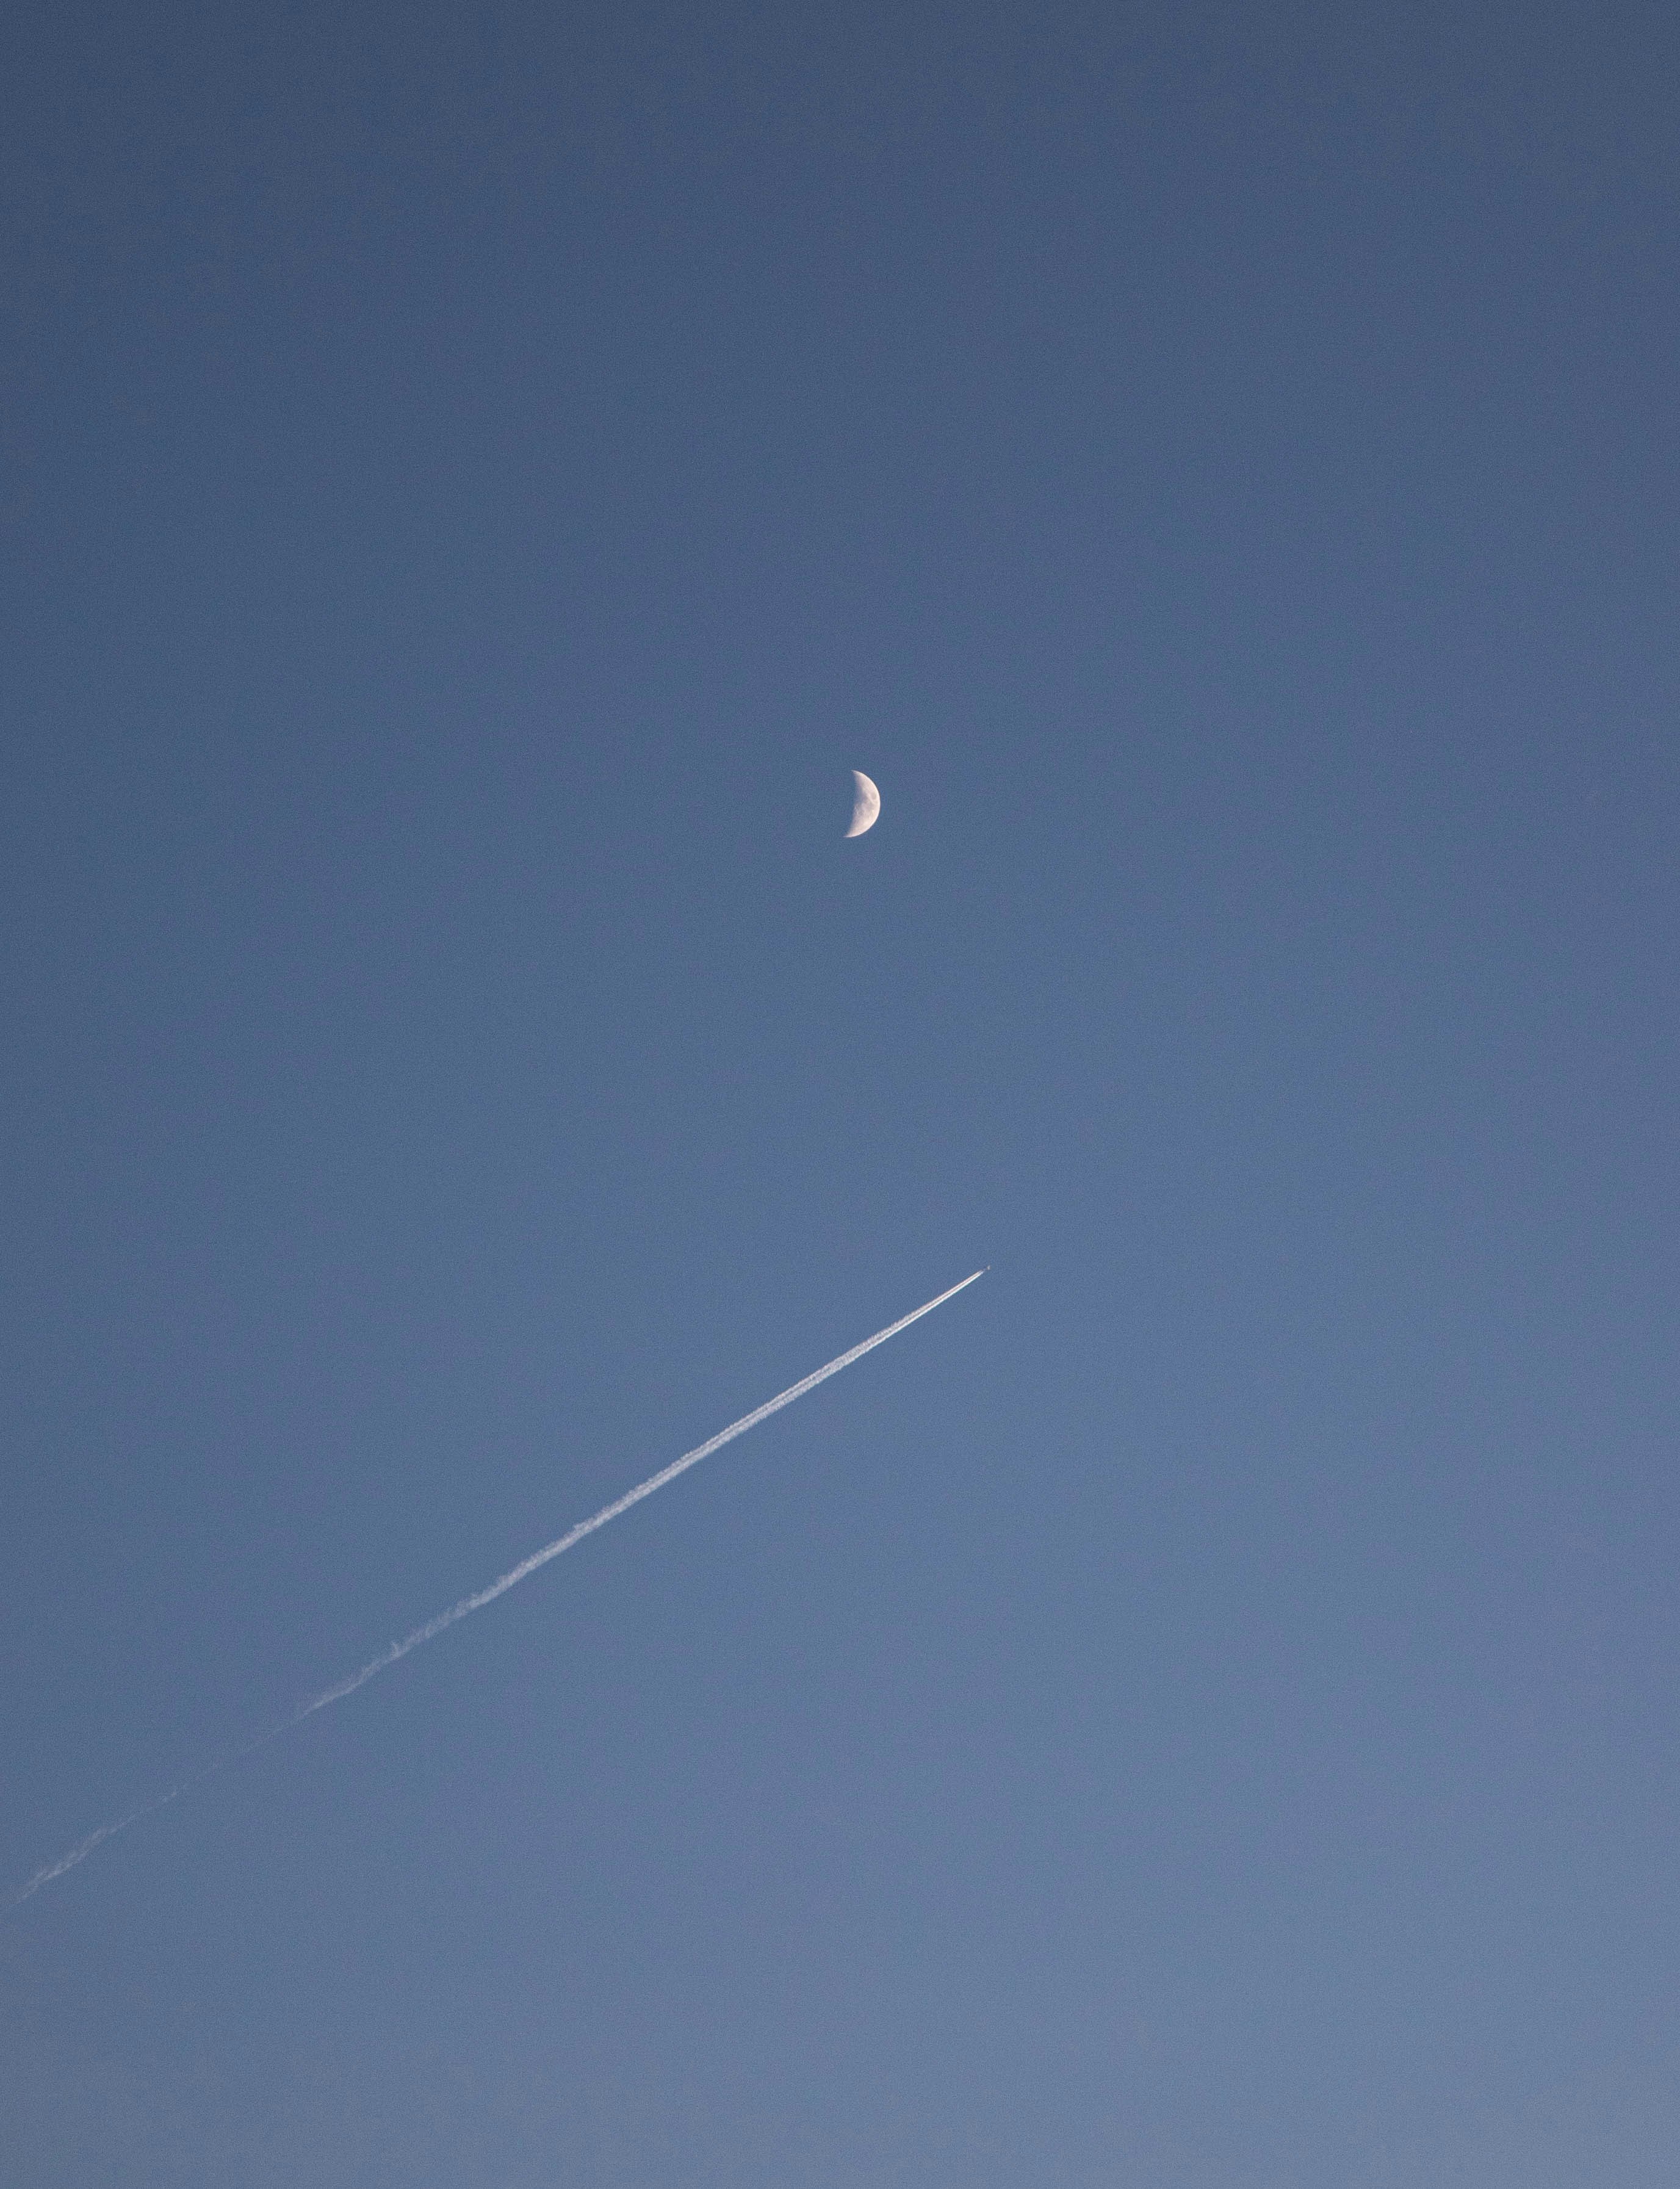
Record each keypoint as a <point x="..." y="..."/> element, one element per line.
<point x="477" y="1602"/>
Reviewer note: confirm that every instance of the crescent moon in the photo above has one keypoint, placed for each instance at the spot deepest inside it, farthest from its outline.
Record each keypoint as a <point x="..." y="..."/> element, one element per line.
<point x="866" y="805"/>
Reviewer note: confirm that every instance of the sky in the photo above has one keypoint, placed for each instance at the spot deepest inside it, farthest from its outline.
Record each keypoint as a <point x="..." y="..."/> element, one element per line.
<point x="1200" y="1709"/>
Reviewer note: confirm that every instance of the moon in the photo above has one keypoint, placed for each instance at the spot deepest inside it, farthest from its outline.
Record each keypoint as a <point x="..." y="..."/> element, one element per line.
<point x="866" y="805"/>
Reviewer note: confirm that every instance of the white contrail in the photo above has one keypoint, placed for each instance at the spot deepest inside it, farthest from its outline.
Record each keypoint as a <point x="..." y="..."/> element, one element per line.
<point x="525" y="1568"/>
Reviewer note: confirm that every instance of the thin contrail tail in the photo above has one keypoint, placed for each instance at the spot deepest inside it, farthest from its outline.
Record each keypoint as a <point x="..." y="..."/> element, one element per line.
<point x="477" y="1602"/>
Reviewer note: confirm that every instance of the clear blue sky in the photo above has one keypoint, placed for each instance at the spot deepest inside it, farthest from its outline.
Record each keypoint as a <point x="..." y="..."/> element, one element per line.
<point x="1200" y="1710"/>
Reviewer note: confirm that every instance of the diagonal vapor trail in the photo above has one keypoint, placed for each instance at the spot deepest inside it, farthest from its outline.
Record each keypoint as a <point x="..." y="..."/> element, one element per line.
<point x="477" y="1602"/>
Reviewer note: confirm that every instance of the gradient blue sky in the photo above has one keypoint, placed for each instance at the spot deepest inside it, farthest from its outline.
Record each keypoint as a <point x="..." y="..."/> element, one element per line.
<point x="1199" y="1712"/>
